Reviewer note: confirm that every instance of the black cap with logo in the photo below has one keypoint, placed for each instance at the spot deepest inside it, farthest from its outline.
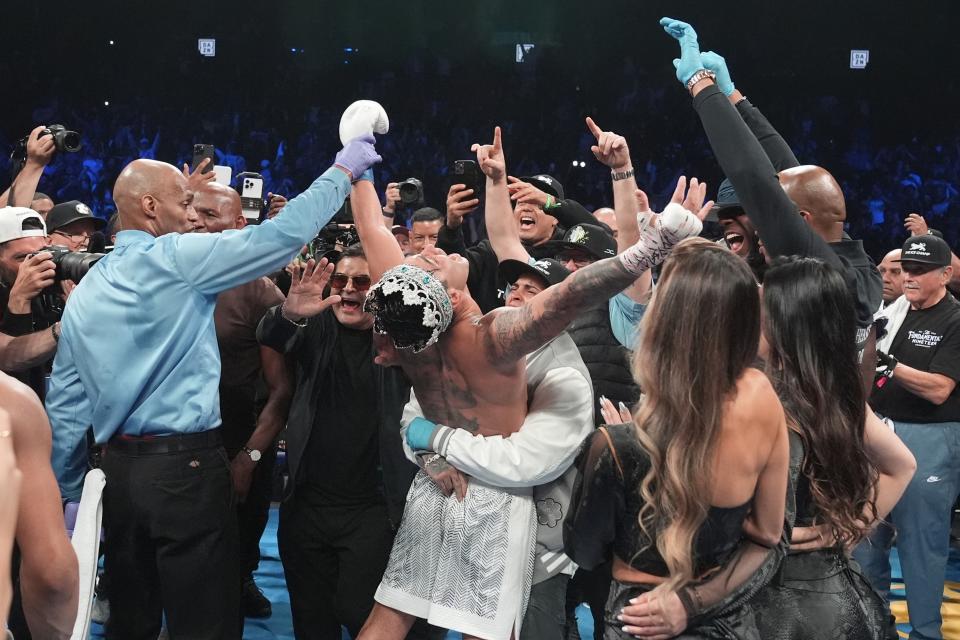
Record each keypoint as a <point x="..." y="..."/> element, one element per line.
<point x="589" y="238"/>
<point x="547" y="184"/>
<point x="926" y="249"/>
<point x="548" y="270"/>
<point x="71" y="211"/>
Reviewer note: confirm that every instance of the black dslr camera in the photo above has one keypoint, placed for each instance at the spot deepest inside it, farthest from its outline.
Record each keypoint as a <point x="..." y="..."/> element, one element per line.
<point x="70" y="265"/>
<point x="411" y="192"/>
<point x="64" y="140"/>
<point x="330" y="237"/>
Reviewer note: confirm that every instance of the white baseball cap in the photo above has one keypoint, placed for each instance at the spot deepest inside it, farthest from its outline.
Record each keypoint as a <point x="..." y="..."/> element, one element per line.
<point x="20" y="222"/>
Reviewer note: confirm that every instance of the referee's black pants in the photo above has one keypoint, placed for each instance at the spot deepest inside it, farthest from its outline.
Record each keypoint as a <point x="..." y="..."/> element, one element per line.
<point x="171" y="531"/>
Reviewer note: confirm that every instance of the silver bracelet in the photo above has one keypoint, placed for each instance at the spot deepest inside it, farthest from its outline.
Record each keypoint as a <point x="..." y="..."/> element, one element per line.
<point x="702" y="74"/>
<point x="301" y="324"/>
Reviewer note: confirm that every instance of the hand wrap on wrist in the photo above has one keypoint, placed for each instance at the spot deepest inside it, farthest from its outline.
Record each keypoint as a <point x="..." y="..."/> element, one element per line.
<point x="672" y="226"/>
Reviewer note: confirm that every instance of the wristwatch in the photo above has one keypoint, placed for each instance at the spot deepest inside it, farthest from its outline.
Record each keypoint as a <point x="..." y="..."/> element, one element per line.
<point x="253" y="453"/>
<point x="703" y="74"/>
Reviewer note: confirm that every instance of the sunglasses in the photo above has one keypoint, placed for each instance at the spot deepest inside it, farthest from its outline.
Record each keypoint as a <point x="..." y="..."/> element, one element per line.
<point x="340" y="280"/>
<point x="578" y="258"/>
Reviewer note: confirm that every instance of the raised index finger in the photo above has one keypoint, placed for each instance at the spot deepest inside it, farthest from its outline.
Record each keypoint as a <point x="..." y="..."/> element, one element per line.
<point x="594" y="129"/>
<point x="496" y="140"/>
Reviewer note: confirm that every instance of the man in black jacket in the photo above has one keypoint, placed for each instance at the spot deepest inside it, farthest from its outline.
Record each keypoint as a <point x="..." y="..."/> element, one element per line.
<point x="796" y="210"/>
<point x="348" y="474"/>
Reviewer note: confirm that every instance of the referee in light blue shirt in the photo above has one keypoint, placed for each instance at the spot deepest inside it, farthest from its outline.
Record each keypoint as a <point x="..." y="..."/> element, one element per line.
<point x="138" y="361"/>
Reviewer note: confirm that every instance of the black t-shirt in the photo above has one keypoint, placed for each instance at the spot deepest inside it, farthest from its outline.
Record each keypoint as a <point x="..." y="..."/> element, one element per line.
<point x="342" y="458"/>
<point x="928" y="340"/>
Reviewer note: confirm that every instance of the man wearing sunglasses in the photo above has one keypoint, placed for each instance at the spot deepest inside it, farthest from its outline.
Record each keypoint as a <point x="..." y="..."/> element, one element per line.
<point x="255" y="392"/>
<point x="348" y="475"/>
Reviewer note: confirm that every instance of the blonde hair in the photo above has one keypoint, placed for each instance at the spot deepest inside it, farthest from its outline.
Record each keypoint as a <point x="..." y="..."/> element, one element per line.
<point x="700" y="333"/>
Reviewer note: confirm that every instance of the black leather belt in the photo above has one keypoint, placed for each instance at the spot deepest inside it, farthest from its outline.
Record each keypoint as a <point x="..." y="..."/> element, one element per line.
<point x="173" y="443"/>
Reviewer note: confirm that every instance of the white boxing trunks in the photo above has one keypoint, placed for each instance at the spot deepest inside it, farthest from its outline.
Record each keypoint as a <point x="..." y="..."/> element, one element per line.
<point x="465" y="566"/>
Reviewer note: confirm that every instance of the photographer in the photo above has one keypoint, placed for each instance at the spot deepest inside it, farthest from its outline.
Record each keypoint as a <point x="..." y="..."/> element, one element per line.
<point x="402" y="195"/>
<point x="25" y="272"/>
<point x="40" y="147"/>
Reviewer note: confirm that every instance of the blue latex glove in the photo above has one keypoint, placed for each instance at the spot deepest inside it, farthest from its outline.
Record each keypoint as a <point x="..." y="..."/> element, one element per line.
<point x="715" y="62"/>
<point x="420" y="433"/>
<point x="689" y="61"/>
<point x="358" y="155"/>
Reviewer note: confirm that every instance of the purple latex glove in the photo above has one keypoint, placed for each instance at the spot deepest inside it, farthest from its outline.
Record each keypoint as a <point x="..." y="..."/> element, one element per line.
<point x="357" y="156"/>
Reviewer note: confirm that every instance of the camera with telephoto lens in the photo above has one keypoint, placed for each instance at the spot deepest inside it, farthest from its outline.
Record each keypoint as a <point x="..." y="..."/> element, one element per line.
<point x="69" y="265"/>
<point x="411" y="191"/>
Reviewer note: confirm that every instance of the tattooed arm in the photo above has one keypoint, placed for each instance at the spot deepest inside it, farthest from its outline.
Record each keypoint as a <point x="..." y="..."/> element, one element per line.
<point x="512" y="333"/>
<point x="379" y="245"/>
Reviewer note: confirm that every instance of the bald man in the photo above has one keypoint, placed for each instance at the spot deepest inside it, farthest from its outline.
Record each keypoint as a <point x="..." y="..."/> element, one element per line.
<point x="607" y="216"/>
<point x="138" y="362"/>
<point x="892" y="275"/>
<point x="252" y="419"/>
<point x="798" y="211"/>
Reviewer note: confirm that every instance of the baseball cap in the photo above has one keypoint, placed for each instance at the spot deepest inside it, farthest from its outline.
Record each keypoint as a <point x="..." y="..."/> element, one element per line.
<point x="66" y="212"/>
<point x="727" y="204"/>
<point x="399" y="228"/>
<point x="548" y="270"/>
<point x="20" y="222"/>
<point x="926" y="249"/>
<point x="587" y="237"/>
<point x="547" y="184"/>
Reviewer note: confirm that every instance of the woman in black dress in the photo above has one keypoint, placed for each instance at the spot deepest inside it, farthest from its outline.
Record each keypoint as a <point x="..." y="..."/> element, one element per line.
<point x="847" y="468"/>
<point x="696" y="486"/>
<point x="853" y="468"/>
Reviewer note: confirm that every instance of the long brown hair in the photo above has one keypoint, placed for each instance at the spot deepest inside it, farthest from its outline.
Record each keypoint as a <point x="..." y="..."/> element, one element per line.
<point x="809" y="324"/>
<point x="699" y="335"/>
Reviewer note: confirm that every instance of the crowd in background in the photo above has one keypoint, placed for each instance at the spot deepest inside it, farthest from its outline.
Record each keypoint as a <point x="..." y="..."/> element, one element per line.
<point x="884" y="178"/>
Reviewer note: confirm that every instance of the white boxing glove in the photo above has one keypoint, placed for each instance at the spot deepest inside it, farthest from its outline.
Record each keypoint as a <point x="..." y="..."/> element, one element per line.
<point x="361" y="118"/>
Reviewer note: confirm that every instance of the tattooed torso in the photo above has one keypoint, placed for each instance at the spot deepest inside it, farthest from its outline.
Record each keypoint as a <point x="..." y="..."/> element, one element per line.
<point x="457" y="387"/>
